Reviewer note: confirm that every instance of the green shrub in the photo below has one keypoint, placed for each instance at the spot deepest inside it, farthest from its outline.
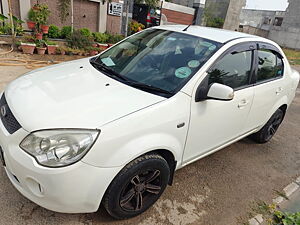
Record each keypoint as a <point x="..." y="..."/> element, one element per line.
<point x="78" y="41"/>
<point x="114" y="38"/>
<point x="32" y="14"/>
<point x="85" y="32"/>
<point x="215" y="22"/>
<point x="101" y="37"/>
<point x="40" y="43"/>
<point x="66" y="31"/>
<point x="135" y="26"/>
<point x="6" y="29"/>
<point x="6" y="26"/>
<point x="54" y="31"/>
<point x="50" y="42"/>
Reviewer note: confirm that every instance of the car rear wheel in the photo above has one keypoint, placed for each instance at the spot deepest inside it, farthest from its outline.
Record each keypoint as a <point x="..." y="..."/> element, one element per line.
<point x="268" y="131"/>
<point x="137" y="187"/>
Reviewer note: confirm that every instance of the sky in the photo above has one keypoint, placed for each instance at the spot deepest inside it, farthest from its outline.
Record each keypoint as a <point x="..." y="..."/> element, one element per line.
<point x="267" y="4"/>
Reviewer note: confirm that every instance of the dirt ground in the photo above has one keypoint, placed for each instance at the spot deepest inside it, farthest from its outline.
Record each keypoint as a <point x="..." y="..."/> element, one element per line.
<point x="217" y="190"/>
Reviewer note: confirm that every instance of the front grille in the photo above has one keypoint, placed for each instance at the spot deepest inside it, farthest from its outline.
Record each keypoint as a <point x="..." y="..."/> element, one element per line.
<point x="7" y="118"/>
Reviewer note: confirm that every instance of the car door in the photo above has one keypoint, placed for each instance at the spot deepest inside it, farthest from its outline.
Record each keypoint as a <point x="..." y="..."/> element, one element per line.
<point x="214" y="123"/>
<point x="270" y="84"/>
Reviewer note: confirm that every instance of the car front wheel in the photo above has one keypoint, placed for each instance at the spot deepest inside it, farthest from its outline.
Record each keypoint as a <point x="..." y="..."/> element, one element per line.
<point x="137" y="187"/>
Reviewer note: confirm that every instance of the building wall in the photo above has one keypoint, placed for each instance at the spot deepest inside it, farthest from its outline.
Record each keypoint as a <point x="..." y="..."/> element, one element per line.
<point x="255" y="31"/>
<point x="263" y="19"/>
<point x="288" y="34"/>
<point x="113" y="24"/>
<point x="217" y="7"/>
<point x="232" y="19"/>
<point x="85" y="14"/>
<point x="292" y="18"/>
<point x="187" y="3"/>
<point x="178" y="17"/>
<point x="177" y="14"/>
<point x="15" y="4"/>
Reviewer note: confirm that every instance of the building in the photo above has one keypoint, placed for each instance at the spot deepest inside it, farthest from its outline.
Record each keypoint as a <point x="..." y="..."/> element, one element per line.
<point x="282" y="27"/>
<point x="92" y="14"/>
<point x="260" y="22"/>
<point x="287" y="32"/>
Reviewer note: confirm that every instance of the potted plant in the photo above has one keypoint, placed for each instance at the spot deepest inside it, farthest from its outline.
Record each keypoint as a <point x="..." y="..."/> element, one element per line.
<point x="81" y="52"/>
<point x="61" y="50"/>
<point x="41" y="47"/>
<point x="28" y="45"/>
<point x="31" y="22"/>
<point x="51" y="46"/>
<point x="42" y="15"/>
<point x="93" y="51"/>
<point x="69" y="51"/>
<point x="39" y="35"/>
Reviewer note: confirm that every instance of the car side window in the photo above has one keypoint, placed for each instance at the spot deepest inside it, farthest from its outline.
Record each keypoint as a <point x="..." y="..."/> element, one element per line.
<point x="270" y="65"/>
<point x="233" y="70"/>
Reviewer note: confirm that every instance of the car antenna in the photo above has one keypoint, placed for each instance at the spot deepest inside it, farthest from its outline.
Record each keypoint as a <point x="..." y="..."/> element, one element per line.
<point x="185" y="29"/>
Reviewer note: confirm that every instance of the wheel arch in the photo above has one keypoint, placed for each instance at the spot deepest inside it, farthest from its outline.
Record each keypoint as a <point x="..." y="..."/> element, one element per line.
<point x="283" y="108"/>
<point x="170" y="158"/>
<point x="280" y="104"/>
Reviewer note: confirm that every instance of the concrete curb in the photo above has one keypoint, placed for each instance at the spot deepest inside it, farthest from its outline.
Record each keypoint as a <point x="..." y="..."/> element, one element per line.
<point x="288" y="191"/>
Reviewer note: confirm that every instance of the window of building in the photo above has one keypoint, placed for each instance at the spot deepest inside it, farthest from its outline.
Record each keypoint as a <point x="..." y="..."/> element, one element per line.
<point x="278" y="21"/>
<point x="232" y="70"/>
<point x="270" y="65"/>
<point x="267" y="20"/>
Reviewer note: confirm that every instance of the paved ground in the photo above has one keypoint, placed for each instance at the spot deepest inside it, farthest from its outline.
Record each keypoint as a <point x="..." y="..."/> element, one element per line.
<point x="217" y="190"/>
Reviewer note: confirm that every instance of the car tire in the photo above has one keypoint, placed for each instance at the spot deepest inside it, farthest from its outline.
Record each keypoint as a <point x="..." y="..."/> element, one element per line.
<point x="137" y="186"/>
<point x="269" y="129"/>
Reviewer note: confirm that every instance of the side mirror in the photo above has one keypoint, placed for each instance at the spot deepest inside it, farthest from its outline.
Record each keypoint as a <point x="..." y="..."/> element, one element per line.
<point x="220" y="92"/>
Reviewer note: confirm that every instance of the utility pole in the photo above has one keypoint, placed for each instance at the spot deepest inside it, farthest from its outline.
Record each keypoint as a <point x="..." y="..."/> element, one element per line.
<point x="12" y="23"/>
<point x="126" y="18"/>
<point x="72" y="16"/>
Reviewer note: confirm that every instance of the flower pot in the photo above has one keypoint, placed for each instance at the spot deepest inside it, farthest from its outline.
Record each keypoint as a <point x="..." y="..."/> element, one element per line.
<point x="39" y="36"/>
<point x="41" y="51"/>
<point x="51" y="49"/>
<point x="27" y="48"/>
<point x="93" y="52"/>
<point x="31" y="25"/>
<point x="103" y="46"/>
<point x="45" y="29"/>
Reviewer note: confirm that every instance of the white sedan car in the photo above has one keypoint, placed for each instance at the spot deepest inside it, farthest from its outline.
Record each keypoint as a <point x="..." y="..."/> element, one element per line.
<point x="112" y="129"/>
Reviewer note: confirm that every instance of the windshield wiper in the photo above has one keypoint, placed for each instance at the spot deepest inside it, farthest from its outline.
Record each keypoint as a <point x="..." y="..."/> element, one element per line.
<point x="105" y="68"/>
<point x="148" y="87"/>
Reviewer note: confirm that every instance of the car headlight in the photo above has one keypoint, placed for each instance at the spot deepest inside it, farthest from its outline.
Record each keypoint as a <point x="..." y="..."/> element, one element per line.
<point x="60" y="147"/>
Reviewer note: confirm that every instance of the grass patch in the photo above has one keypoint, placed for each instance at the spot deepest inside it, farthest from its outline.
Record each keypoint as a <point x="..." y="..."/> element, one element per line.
<point x="292" y="55"/>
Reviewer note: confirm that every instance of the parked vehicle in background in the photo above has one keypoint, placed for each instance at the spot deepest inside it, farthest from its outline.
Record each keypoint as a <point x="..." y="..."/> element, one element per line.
<point x="113" y="128"/>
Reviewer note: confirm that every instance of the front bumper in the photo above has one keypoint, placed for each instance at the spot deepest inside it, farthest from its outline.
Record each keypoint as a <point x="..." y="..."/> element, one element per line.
<point x="77" y="188"/>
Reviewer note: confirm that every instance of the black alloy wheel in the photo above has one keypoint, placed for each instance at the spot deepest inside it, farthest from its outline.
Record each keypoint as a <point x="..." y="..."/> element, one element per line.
<point x="137" y="186"/>
<point x="269" y="129"/>
<point x="141" y="189"/>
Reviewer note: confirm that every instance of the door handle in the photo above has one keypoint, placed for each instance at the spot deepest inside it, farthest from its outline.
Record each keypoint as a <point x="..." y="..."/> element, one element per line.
<point x="279" y="90"/>
<point x="243" y="103"/>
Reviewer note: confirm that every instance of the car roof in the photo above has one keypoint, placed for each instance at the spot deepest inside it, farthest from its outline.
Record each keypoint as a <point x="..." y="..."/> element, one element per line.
<point x="214" y="34"/>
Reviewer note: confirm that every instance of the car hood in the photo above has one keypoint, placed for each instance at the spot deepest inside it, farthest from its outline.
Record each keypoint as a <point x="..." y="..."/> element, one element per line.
<point x="72" y="95"/>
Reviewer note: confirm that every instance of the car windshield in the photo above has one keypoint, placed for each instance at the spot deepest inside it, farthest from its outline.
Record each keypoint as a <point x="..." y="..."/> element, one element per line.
<point x="155" y="60"/>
